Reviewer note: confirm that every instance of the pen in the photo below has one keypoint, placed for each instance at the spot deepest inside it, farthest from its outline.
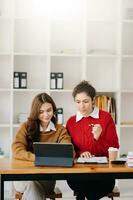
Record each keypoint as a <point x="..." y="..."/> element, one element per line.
<point x="91" y="125"/>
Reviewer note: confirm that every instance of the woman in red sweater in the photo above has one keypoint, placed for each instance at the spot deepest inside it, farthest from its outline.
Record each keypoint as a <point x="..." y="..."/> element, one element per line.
<point x="92" y="131"/>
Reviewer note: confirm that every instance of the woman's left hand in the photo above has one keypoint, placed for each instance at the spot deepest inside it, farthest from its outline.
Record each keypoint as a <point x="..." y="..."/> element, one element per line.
<point x="86" y="154"/>
<point x="96" y="130"/>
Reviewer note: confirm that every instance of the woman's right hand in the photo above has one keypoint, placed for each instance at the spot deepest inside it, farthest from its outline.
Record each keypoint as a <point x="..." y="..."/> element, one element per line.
<point x="85" y="154"/>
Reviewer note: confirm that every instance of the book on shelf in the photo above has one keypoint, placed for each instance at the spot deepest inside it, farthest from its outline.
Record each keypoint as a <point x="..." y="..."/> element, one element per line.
<point x="104" y="100"/>
<point x="127" y="123"/>
<point x="106" y="103"/>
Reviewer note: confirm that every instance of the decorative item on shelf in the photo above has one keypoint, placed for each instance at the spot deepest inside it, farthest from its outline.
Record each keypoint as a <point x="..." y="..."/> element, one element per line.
<point x="1" y="153"/>
<point x="20" y="80"/>
<point x="124" y="155"/>
<point x="101" y="51"/>
<point x="106" y="103"/>
<point x="69" y="51"/>
<point x="60" y="115"/>
<point x="129" y="13"/>
<point x="22" y="117"/>
<point x="56" y="80"/>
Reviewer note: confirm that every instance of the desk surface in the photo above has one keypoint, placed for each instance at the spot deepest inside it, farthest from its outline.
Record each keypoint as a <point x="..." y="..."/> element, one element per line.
<point x="13" y="170"/>
<point x="9" y="166"/>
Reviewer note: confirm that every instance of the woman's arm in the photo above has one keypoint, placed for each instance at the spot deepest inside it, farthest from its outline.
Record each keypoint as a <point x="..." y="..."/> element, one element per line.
<point x="107" y="139"/>
<point x="19" y="146"/>
<point x="64" y="137"/>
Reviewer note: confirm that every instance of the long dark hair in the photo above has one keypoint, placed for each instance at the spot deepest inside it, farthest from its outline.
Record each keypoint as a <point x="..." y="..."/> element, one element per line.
<point x="33" y="123"/>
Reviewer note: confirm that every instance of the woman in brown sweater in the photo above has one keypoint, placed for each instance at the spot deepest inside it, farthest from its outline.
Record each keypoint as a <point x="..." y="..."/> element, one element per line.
<point x="41" y="126"/>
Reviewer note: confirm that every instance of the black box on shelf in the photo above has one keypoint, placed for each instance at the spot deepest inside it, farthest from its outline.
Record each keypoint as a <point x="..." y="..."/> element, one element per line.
<point x="56" y="80"/>
<point x="60" y="115"/>
<point x="20" y="80"/>
<point x="16" y="80"/>
<point x="59" y="80"/>
<point x="23" y="79"/>
<point x="53" y="80"/>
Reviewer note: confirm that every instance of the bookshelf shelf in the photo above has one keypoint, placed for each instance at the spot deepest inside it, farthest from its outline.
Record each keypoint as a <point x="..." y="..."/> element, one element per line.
<point x="4" y="125"/>
<point x="65" y="55"/>
<point x="29" y="90"/>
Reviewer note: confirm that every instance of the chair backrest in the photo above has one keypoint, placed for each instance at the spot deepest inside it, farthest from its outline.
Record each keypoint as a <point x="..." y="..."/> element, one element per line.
<point x="56" y="194"/>
<point x="114" y="193"/>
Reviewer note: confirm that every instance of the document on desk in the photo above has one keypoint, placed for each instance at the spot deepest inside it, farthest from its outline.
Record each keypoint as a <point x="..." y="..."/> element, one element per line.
<point x="93" y="160"/>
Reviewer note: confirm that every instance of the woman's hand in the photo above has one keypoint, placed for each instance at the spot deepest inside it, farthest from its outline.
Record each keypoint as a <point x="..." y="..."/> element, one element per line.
<point x="96" y="130"/>
<point x="86" y="154"/>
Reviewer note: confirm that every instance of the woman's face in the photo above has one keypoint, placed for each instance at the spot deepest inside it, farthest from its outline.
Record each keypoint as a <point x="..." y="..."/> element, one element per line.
<point x="45" y="113"/>
<point x="84" y="103"/>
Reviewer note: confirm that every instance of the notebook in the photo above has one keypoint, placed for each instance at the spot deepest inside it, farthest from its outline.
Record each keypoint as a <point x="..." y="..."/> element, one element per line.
<point x="53" y="154"/>
<point x="93" y="160"/>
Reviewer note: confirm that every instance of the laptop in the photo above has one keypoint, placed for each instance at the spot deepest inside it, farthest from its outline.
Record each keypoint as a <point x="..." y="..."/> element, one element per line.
<point x="53" y="154"/>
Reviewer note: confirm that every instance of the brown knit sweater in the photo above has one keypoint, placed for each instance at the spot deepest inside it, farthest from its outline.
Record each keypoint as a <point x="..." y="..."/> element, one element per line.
<point x="19" y="146"/>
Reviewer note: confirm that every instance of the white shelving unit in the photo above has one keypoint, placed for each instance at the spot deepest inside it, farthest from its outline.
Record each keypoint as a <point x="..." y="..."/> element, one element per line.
<point x="126" y="86"/>
<point x="84" y="39"/>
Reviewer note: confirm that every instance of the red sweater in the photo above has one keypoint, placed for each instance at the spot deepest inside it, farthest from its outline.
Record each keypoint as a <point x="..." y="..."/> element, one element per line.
<point x="82" y="136"/>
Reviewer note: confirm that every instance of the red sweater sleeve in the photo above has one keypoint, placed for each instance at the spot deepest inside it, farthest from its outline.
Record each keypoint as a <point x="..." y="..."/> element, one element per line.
<point x="107" y="139"/>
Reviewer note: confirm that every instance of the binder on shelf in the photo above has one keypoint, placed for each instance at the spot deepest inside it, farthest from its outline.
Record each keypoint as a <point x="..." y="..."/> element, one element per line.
<point x="59" y="80"/>
<point x="60" y="115"/>
<point x="53" y="84"/>
<point x="23" y="79"/>
<point x="16" y="82"/>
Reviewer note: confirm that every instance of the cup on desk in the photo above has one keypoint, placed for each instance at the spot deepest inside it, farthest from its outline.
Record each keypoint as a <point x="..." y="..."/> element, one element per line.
<point x="113" y="153"/>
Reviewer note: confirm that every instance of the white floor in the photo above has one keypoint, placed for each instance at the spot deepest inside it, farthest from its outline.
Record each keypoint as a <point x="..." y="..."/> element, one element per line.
<point x="125" y="186"/>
